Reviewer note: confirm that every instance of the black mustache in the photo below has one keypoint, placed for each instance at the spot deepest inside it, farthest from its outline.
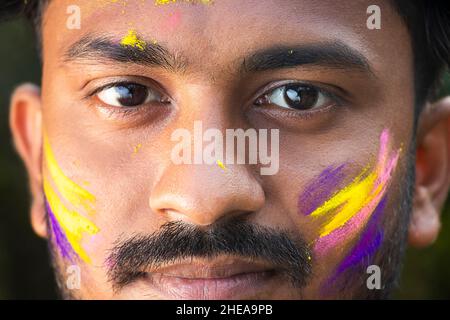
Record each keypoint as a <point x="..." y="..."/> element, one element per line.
<point x="176" y="241"/>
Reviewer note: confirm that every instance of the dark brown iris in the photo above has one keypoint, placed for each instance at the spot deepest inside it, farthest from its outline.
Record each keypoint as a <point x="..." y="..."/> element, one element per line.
<point x="301" y="97"/>
<point x="131" y="95"/>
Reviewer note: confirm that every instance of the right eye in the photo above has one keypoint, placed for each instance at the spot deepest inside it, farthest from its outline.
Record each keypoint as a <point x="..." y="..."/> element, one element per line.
<point x="300" y="97"/>
<point x="128" y="95"/>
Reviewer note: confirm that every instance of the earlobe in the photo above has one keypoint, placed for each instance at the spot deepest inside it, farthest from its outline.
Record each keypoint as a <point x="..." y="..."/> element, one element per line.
<point x="432" y="173"/>
<point x="425" y="220"/>
<point x="26" y="127"/>
<point x="38" y="217"/>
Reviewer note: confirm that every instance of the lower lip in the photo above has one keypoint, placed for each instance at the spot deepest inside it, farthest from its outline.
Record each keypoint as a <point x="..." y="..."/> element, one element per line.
<point x="242" y="286"/>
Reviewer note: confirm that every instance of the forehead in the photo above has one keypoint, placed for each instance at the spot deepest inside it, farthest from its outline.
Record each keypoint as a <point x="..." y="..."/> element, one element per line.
<point x="222" y="30"/>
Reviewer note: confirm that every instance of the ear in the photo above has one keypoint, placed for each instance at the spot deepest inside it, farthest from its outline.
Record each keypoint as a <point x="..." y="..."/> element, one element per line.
<point x="432" y="173"/>
<point x="26" y="122"/>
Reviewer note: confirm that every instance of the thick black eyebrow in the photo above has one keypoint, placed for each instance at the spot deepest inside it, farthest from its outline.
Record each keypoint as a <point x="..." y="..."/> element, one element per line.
<point x="91" y="48"/>
<point x="331" y="55"/>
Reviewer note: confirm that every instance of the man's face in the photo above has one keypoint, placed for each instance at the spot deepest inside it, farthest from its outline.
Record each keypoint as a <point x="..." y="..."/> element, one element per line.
<point x="140" y="225"/>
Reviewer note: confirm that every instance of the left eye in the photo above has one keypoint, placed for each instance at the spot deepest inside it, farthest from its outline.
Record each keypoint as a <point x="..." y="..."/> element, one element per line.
<point x="128" y="95"/>
<point x="295" y="96"/>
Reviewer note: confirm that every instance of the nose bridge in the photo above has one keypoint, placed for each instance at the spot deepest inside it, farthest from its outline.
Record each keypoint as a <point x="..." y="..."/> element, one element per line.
<point x="203" y="194"/>
<point x="197" y="188"/>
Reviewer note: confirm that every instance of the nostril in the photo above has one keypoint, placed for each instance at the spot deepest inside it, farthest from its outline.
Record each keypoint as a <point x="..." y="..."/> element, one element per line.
<point x="174" y="215"/>
<point x="202" y="195"/>
<point x="234" y="215"/>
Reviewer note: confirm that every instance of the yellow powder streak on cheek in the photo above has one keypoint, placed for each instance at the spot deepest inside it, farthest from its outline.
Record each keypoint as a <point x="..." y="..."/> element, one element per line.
<point x="349" y="200"/>
<point x="72" y="192"/>
<point x="72" y="223"/>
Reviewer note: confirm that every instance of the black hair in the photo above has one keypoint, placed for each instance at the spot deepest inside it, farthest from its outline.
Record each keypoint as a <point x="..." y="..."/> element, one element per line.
<point x="428" y="23"/>
<point x="31" y="10"/>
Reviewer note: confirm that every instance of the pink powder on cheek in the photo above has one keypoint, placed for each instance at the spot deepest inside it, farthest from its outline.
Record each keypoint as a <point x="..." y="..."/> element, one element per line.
<point x="325" y="244"/>
<point x="174" y="20"/>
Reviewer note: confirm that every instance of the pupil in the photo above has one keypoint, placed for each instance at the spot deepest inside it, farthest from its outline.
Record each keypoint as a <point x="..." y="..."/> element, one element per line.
<point x="301" y="97"/>
<point x="131" y="95"/>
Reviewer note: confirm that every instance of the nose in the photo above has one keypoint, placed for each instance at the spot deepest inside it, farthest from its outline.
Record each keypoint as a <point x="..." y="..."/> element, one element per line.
<point x="204" y="194"/>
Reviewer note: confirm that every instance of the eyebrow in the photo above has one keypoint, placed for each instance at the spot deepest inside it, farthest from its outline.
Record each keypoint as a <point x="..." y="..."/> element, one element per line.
<point x="329" y="54"/>
<point x="90" y="48"/>
<point x="334" y="54"/>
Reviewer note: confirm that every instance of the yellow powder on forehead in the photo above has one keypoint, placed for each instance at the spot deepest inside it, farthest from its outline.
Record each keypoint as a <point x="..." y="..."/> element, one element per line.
<point x="132" y="40"/>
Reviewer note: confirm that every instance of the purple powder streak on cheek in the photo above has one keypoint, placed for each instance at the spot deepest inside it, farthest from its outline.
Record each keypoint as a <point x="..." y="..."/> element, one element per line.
<point x="320" y="189"/>
<point x="61" y="241"/>
<point x="366" y="247"/>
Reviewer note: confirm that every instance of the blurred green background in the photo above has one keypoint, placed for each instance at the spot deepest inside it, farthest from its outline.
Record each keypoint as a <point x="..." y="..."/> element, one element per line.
<point x="25" y="272"/>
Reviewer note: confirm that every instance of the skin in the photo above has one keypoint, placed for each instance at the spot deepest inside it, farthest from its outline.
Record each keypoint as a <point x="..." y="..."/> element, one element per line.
<point x="137" y="192"/>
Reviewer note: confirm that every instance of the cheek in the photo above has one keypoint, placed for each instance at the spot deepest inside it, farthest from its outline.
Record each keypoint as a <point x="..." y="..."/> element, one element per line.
<point x="68" y="206"/>
<point x="363" y="251"/>
<point x="96" y="243"/>
<point x="320" y="189"/>
<point x="349" y="216"/>
<point x="346" y="212"/>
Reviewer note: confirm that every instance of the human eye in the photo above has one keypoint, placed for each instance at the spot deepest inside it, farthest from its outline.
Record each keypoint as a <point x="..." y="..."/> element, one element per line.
<point x="297" y="96"/>
<point x="128" y="95"/>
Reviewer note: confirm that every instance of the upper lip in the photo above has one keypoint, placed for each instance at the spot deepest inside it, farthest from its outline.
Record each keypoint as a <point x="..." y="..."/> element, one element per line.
<point x="217" y="268"/>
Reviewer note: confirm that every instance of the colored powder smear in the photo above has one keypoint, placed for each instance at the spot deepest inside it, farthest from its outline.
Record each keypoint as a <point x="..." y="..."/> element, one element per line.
<point x="132" y="40"/>
<point x="59" y="236"/>
<point x="369" y="241"/>
<point x="162" y="2"/>
<point x="76" y="195"/>
<point x="347" y="211"/>
<point x="221" y="165"/>
<point x="319" y="190"/>
<point x="137" y="148"/>
<point x="174" y="20"/>
<point x="364" y="250"/>
<point x="68" y="225"/>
